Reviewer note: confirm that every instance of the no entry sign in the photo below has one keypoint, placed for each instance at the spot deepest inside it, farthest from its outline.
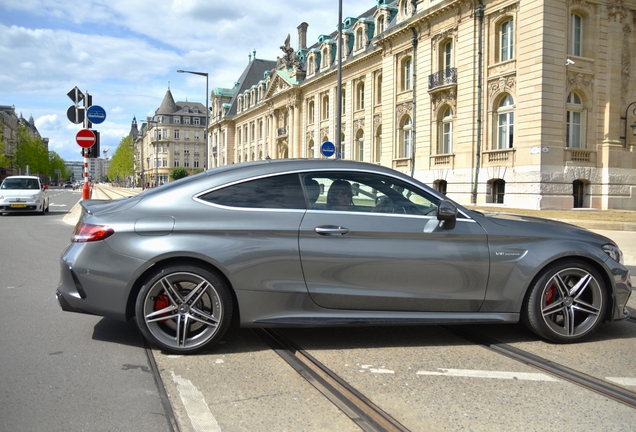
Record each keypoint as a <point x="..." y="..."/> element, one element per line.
<point x="85" y="138"/>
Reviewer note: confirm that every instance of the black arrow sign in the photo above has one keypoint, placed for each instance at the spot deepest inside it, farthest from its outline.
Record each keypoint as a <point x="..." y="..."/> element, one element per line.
<point x="76" y="95"/>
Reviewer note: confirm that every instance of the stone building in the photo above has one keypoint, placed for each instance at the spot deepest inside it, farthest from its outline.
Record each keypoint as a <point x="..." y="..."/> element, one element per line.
<point x="174" y="137"/>
<point x="525" y="103"/>
<point x="9" y="124"/>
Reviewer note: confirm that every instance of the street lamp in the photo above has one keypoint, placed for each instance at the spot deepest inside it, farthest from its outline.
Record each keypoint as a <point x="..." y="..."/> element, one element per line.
<point x="205" y="151"/>
<point x="633" y="125"/>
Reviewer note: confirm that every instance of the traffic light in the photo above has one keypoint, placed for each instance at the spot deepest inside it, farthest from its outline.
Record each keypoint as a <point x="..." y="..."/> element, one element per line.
<point x="93" y="151"/>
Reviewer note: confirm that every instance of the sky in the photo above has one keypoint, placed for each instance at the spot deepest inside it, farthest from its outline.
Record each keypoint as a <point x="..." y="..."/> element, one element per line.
<point x="126" y="54"/>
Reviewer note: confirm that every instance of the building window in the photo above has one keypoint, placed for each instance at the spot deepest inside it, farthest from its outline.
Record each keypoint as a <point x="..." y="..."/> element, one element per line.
<point x="197" y="121"/>
<point x="176" y="119"/>
<point x="164" y="134"/>
<point x="576" y="33"/>
<point x="378" y="90"/>
<point x="325" y="58"/>
<point x="505" y="123"/>
<point x="440" y="186"/>
<point x="176" y="163"/>
<point x="380" y="25"/>
<point x="507" y="40"/>
<point x="360" y="96"/>
<point x="575" y="124"/>
<point x="445" y="145"/>
<point x="310" y="149"/>
<point x="359" y="39"/>
<point x="447" y="59"/>
<point x="310" y="112"/>
<point x="195" y="110"/>
<point x="186" y="163"/>
<point x="196" y="163"/>
<point x="406" y="74"/>
<point x="186" y="120"/>
<point x="359" y="147"/>
<point x="498" y="191"/>
<point x="377" y="150"/>
<point x="196" y="135"/>
<point x="176" y="134"/>
<point x="325" y="107"/>
<point x="578" y="192"/>
<point x="343" y="102"/>
<point x="406" y="138"/>
<point x="185" y="109"/>
<point x="186" y="135"/>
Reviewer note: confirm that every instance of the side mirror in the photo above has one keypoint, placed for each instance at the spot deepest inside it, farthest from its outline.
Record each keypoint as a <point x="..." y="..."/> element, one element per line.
<point x="447" y="214"/>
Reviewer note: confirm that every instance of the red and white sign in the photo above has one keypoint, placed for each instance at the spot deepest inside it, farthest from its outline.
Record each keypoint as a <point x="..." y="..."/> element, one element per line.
<point x="85" y="138"/>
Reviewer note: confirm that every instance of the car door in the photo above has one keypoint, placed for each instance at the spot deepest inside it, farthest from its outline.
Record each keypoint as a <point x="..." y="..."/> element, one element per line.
<point x="388" y="251"/>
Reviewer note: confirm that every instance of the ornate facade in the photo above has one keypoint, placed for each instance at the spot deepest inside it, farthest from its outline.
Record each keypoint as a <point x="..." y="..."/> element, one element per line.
<point x="524" y="103"/>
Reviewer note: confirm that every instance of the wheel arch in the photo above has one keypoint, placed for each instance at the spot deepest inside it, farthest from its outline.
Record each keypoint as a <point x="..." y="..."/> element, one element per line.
<point x="190" y="261"/>
<point x="607" y="282"/>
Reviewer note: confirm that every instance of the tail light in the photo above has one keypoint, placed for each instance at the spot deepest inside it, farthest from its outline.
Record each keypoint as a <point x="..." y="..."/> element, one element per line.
<point x="89" y="233"/>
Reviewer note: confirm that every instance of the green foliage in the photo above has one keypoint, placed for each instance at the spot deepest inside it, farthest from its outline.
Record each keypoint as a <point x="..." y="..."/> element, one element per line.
<point x="121" y="163"/>
<point x="31" y="152"/>
<point x="178" y="173"/>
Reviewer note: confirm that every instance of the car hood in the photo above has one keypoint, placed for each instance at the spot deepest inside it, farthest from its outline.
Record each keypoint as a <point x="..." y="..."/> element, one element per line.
<point x="536" y="225"/>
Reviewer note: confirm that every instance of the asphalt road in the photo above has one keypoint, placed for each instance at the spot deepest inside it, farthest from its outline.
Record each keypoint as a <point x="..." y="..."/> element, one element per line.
<point x="61" y="371"/>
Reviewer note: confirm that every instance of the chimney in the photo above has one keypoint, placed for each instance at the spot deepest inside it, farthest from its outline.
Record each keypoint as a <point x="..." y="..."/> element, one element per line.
<point x="302" y="36"/>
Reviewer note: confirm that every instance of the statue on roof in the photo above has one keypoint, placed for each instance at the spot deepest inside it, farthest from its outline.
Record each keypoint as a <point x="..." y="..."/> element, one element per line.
<point x="290" y="59"/>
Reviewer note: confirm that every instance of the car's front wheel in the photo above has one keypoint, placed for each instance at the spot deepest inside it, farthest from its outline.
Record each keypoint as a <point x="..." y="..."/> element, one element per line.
<point x="183" y="309"/>
<point x="567" y="302"/>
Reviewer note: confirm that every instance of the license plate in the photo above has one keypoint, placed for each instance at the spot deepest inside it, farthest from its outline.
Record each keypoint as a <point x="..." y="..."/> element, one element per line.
<point x="18" y="205"/>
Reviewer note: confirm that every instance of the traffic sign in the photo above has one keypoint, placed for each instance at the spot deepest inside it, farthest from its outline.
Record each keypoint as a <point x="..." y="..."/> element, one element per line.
<point x="75" y="114"/>
<point x="85" y="138"/>
<point x="96" y="114"/>
<point x="327" y="149"/>
<point x="76" y="95"/>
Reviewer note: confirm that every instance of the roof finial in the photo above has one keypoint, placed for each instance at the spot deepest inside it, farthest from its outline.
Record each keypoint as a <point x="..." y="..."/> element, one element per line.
<point x="254" y="53"/>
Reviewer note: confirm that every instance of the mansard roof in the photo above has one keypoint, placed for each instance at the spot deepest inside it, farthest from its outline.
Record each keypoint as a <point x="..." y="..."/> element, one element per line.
<point x="252" y="75"/>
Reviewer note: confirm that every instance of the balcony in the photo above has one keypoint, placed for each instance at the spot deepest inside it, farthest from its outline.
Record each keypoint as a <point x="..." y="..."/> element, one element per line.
<point x="500" y="157"/>
<point x="442" y="159"/>
<point x="581" y="157"/>
<point x="442" y="78"/>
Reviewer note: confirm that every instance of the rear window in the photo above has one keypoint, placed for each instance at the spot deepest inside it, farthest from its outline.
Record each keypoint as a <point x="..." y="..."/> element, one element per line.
<point x="283" y="191"/>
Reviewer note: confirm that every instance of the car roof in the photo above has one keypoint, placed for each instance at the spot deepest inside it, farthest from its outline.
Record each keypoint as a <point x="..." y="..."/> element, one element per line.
<point x="22" y="176"/>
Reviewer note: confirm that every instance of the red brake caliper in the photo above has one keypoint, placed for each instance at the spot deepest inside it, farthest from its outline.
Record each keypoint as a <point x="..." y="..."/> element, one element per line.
<point x="162" y="302"/>
<point x="549" y="296"/>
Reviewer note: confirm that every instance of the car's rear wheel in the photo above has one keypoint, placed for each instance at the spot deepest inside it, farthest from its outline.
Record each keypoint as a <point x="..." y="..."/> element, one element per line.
<point x="567" y="302"/>
<point x="183" y="309"/>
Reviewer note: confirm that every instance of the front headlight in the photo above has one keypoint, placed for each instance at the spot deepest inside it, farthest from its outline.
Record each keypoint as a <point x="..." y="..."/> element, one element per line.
<point x="614" y="253"/>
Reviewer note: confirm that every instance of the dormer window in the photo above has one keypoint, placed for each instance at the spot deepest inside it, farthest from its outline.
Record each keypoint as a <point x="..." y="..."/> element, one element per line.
<point x="195" y="110"/>
<point x="185" y="109"/>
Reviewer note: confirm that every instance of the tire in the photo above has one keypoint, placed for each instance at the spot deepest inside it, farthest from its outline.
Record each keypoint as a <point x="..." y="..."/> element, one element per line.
<point x="567" y="302"/>
<point x="183" y="309"/>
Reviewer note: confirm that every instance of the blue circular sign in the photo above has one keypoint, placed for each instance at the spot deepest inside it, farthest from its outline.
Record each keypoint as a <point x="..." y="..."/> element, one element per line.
<point x="96" y="114"/>
<point x="327" y="149"/>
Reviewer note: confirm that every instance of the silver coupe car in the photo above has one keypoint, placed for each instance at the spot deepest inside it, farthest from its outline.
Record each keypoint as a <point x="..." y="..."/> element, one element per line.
<point x="282" y="243"/>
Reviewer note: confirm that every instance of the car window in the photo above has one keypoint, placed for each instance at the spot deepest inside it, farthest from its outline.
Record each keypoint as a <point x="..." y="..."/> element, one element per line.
<point x="283" y="191"/>
<point x="364" y="192"/>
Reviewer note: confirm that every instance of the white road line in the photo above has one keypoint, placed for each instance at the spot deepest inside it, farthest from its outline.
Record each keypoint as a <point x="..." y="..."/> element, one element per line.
<point x="469" y="373"/>
<point x="622" y="381"/>
<point x="200" y="416"/>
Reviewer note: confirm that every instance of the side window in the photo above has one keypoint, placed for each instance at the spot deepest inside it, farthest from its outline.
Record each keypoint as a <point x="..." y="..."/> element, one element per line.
<point x="366" y="193"/>
<point x="284" y="192"/>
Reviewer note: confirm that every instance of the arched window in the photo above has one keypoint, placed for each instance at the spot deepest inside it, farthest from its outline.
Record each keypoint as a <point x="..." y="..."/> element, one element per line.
<point x="576" y="35"/>
<point x="505" y="122"/>
<point x="310" y="149"/>
<point x="359" y="39"/>
<point x="378" y="90"/>
<point x="575" y="122"/>
<point x="325" y="58"/>
<point x="440" y="186"/>
<point x="445" y="141"/>
<point x="380" y="25"/>
<point x="406" y="73"/>
<point x="406" y="138"/>
<point x="360" y="96"/>
<point x="359" y="146"/>
<point x="506" y="40"/>
<point x="498" y="191"/>
<point x="325" y="107"/>
<point x="377" y="150"/>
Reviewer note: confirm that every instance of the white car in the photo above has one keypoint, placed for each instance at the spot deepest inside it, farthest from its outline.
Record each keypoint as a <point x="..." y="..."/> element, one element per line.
<point x="19" y="194"/>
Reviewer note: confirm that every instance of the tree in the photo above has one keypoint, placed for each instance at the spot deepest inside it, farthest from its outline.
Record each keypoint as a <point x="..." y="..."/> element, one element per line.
<point x="121" y="163"/>
<point x="31" y="151"/>
<point x="178" y="173"/>
<point x="56" y="163"/>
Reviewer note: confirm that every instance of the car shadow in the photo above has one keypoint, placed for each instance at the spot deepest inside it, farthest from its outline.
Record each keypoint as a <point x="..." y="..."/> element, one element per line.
<point x="119" y="332"/>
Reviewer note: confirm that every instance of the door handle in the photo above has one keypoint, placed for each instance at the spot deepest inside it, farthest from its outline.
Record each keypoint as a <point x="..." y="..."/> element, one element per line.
<point x="331" y="230"/>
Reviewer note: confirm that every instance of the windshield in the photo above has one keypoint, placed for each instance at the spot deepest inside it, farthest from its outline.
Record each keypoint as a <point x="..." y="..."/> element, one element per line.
<point x="20" y="184"/>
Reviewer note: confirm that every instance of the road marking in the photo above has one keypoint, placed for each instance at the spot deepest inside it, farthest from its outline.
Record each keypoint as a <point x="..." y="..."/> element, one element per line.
<point x="622" y="381"/>
<point x="198" y="411"/>
<point x="366" y="368"/>
<point x="469" y="373"/>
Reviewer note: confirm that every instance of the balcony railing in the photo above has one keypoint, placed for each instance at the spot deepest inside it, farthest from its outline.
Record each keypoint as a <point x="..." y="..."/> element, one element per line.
<point x="282" y="131"/>
<point x="442" y="78"/>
